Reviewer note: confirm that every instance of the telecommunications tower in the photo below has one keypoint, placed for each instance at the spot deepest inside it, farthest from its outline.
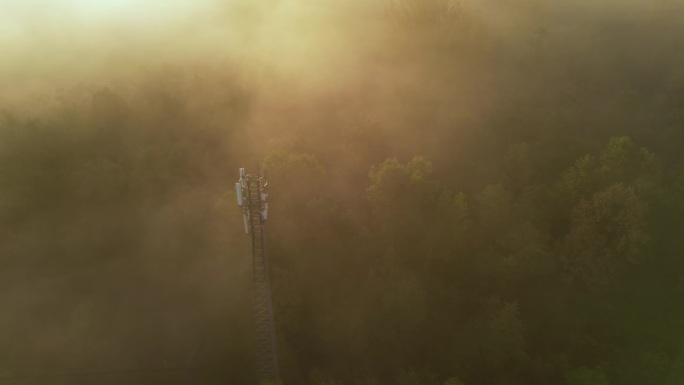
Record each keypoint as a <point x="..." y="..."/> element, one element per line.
<point x="252" y="196"/>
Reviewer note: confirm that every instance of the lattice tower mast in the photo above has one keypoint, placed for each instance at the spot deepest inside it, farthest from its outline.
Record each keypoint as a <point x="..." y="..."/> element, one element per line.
<point x="252" y="196"/>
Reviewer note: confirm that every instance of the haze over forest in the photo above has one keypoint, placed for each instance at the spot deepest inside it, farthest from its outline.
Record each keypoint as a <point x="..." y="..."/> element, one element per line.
<point x="462" y="192"/>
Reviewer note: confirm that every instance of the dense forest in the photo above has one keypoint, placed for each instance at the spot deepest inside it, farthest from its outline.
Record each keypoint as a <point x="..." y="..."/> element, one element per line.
<point x="461" y="200"/>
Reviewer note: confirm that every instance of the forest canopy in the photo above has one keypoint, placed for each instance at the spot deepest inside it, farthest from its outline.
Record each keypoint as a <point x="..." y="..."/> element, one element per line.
<point x="462" y="192"/>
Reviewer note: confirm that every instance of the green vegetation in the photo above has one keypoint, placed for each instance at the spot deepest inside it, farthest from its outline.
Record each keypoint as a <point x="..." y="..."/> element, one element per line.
<point x="487" y="211"/>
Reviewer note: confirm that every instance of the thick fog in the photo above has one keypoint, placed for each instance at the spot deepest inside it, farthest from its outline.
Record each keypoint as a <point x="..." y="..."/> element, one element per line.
<point x="463" y="192"/>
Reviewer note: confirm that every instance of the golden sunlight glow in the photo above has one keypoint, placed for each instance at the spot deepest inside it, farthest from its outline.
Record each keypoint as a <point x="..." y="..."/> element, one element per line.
<point x="66" y="40"/>
<point x="101" y="7"/>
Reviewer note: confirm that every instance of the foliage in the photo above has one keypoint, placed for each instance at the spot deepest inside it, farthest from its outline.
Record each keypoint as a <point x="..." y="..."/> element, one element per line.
<point x="534" y="239"/>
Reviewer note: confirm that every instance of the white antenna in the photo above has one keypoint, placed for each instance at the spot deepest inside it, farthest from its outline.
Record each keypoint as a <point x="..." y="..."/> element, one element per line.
<point x="238" y="191"/>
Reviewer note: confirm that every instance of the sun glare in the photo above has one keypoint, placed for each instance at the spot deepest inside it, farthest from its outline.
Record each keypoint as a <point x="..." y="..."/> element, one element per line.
<point x="103" y="7"/>
<point x="134" y="9"/>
